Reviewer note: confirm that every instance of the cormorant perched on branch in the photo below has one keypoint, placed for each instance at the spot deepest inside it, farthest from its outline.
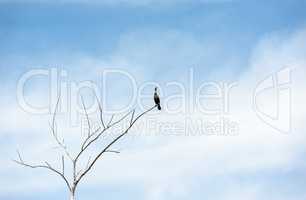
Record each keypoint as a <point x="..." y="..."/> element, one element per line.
<point x="156" y="99"/>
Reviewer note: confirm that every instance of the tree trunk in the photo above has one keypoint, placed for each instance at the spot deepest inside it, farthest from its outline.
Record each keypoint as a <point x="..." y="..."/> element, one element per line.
<point x="72" y="196"/>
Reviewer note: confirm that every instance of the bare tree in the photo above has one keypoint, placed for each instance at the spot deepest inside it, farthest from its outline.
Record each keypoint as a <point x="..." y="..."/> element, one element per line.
<point x="88" y="141"/>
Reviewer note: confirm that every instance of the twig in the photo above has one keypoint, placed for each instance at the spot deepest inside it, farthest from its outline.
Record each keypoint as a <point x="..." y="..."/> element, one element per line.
<point x="47" y="166"/>
<point x="54" y="133"/>
<point x="110" y="121"/>
<point x="87" y="118"/>
<point x="63" y="165"/>
<point x="110" y="144"/>
<point x="100" y="110"/>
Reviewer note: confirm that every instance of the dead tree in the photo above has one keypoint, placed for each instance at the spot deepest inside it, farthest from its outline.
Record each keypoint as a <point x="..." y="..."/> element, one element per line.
<point x="90" y="139"/>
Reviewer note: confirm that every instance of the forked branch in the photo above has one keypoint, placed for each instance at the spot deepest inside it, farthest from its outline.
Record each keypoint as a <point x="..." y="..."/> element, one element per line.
<point x="106" y="149"/>
<point x="46" y="166"/>
<point x="89" y="140"/>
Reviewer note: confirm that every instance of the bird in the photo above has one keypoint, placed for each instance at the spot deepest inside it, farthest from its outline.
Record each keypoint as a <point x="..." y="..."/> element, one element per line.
<point x="156" y="99"/>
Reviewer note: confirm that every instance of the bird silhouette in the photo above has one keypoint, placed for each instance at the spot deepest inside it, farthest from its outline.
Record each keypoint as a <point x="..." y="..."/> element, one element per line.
<point x="156" y="99"/>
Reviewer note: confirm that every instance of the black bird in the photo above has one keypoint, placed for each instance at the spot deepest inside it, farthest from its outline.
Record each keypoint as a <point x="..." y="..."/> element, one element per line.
<point x="156" y="99"/>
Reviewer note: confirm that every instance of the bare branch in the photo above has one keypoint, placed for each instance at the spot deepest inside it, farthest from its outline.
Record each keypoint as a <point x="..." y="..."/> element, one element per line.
<point x="19" y="156"/>
<point x="86" y="167"/>
<point x="132" y="116"/>
<point x="92" y="136"/>
<point x="112" y="151"/>
<point x="47" y="166"/>
<point x="110" y="144"/>
<point x="87" y="139"/>
<point x="121" y="119"/>
<point x="100" y="110"/>
<point x="78" y="173"/>
<point x="63" y="165"/>
<point x="87" y="118"/>
<point x="110" y="121"/>
<point x="55" y="111"/>
<point x="85" y="146"/>
<point x="88" y="162"/>
<point x="61" y="144"/>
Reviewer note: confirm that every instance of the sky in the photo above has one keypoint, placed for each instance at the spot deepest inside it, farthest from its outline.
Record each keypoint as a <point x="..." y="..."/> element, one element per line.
<point x="230" y="75"/>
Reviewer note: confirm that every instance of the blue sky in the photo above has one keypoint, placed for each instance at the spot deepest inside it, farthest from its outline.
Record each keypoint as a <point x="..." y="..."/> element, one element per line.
<point x="94" y="29"/>
<point x="158" y="41"/>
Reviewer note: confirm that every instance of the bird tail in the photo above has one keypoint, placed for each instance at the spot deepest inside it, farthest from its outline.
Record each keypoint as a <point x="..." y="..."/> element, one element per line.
<point x="158" y="107"/>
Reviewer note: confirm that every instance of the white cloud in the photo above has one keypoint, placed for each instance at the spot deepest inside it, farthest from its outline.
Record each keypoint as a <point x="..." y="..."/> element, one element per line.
<point x="258" y="148"/>
<point x="163" y="167"/>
